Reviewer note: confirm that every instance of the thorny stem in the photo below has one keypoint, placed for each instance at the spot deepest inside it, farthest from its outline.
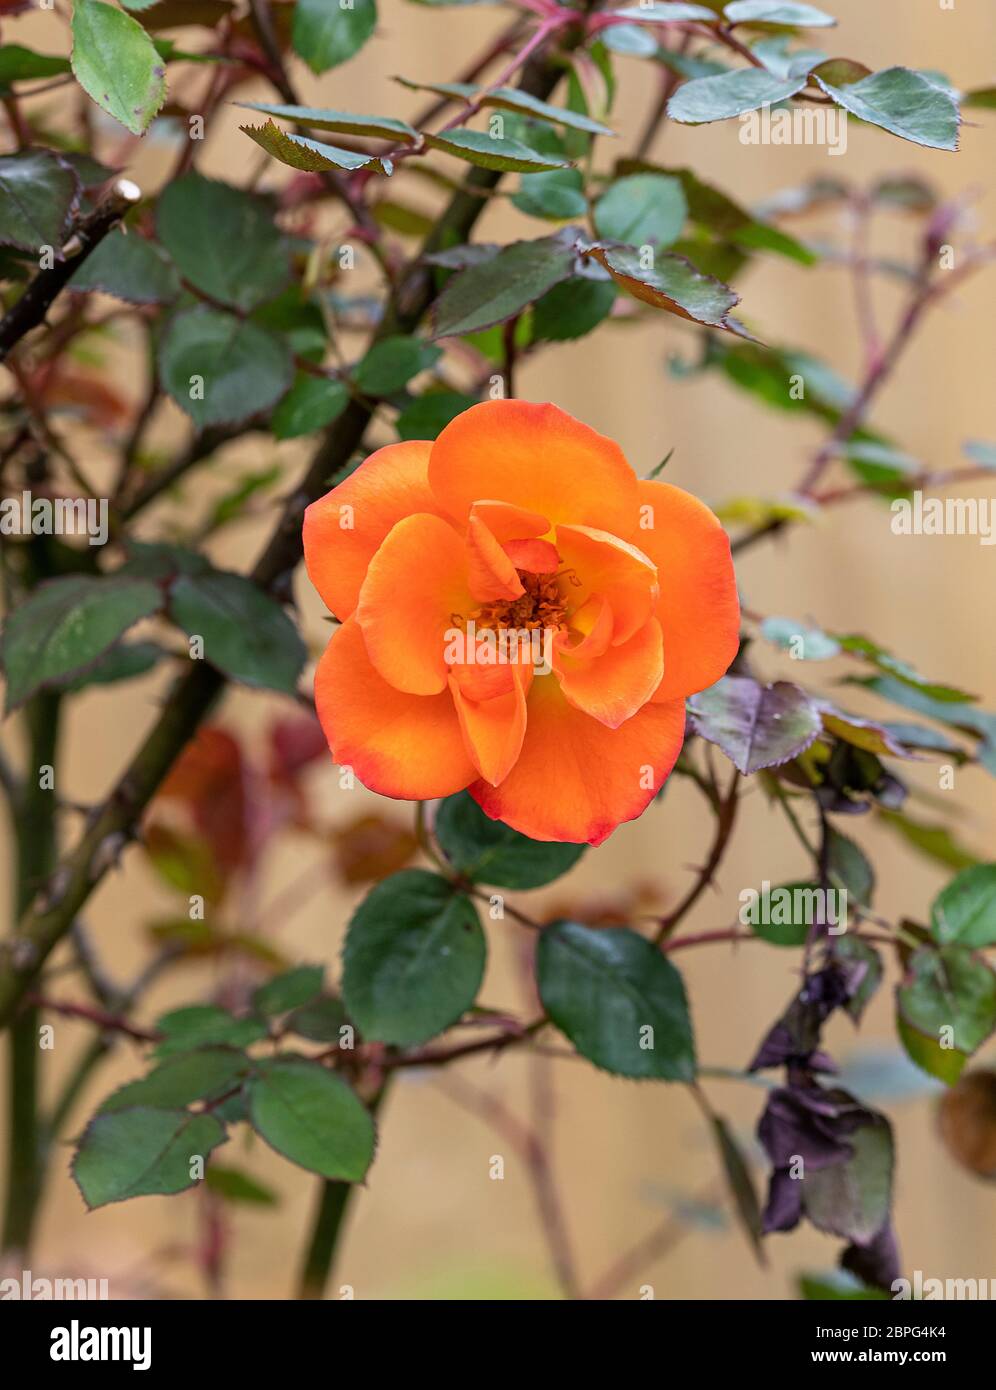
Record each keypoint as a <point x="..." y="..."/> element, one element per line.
<point x="726" y="814"/>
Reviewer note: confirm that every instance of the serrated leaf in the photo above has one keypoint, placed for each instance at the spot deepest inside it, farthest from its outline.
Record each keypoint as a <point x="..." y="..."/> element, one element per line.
<point x="116" y="64"/>
<point x="964" y="912"/>
<point x="490" y="152"/>
<point x="312" y="403"/>
<point x="730" y="94"/>
<point x="66" y="625"/>
<point x="344" y="122"/>
<point x="756" y="726"/>
<point x="326" y="34"/>
<point x="131" y="268"/>
<point x="501" y="287"/>
<point x="642" y="208"/>
<point x="221" y="369"/>
<point x="38" y="191"/>
<point x="948" y="999"/>
<point x="205" y="1025"/>
<point x="777" y="12"/>
<point x="312" y="1118"/>
<point x="391" y="364"/>
<point x="222" y="240"/>
<point x="618" y="999"/>
<point x="298" y="152"/>
<point x="289" y="990"/>
<point x="413" y="960"/>
<point x="141" y="1152"/>
<point x="488" y="851"/>
<point x="903" y="102"/>
<point x="179" y="1081"/>
<point x="512" y="99"/>
<point x="246" y="633"/>
<point x="672" y="284"/>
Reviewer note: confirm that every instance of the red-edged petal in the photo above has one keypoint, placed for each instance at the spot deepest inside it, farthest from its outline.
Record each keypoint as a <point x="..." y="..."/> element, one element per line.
<point x="611" y="687"/>
<point x="405" y="746"/>
<point x="607" y="567"/>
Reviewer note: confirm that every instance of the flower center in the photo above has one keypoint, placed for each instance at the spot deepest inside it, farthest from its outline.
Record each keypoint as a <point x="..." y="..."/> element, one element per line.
<point x="541" y="606"/>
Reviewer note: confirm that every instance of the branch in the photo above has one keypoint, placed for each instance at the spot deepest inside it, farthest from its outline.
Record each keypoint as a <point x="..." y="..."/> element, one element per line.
<point x="34" y="303"/>
<point x="726" y="814"/>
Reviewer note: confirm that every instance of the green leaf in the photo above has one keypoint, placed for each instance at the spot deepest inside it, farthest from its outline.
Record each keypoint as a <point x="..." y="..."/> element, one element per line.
<point x="934" y="842"/>
<point x="298" y="152"/>
<point x="618" y="999"/>
<point x="66" y="625"/>
<point x="343" y="122"/>
<point x="848" y="867"/>
<point x="413" y="959"/>
<point x="312" y="403"/>
<point x="289" y="990"/>
<point x="512" y="99"/>
<point x="141" y="1152"/>
<point x="130" y="267"/>
<point x="325" y="34"/>
<point x="122" y="662"/>
<point x="642" y="208"/>
<point x="37" y="194"/>
<point x="391" y="364"/>
<point x="948" y="1000"/>
<point x="205" y="1025"/>
<point x="313" y="1118"/>
<point x="837" y="1285"/>
<point x="221" y="369"/>
<point x="498" y="289"/>
<point x="666" y="13"/>
<point x="730" y="94"/>
<point x="964" y="912"/>
<point x="116" y="64"/>
<point x="222" y="240"/>
<point x="18" y="64"/>
<point x="429" y="415"/>
<point x="180" y="1080"/>
<point x="489" y="152"/>
<point x="557" y="195"/>
<point x="319" y="1021"/>
<point x="782" y="916"/>
<point x="487" y="851"/>
<point x="246" y="633"/>
<point x="856" y="950"/>
<point x="776" y="12"/>
<point x="740" y="1183"/>
<point x="630" y="40"/>
<point x="572" y="308"/>
<point x="902" y="102"/>
<point x="804" y="643"/>
<point x="853" y="1199"/>
<point x="901" y="670"/>
<point x="756" y="726"/>
<point x="672" y="283"/>
<point x="232" y="1185"/>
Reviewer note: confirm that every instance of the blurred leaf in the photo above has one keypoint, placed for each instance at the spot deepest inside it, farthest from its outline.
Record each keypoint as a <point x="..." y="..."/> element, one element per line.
<point x="312" y="1118"/>
<point x="246" y="633"/>
<point x="116" y="64"/>
<point x="18" y="64"/>
<point x="325" y="34"/>
<point x="858" y="952"/>
<point x="935" y="842"/>
<point x="205" y="1025"/>
<point x="848" y="867"/>
<point x="618" y="999"/>
<point x="222" y="240"/>
<point x="413" y="960"/>
<point x="233" y="1185"/>
<point x="573" y="308"/>
<point x="141" y="1152"/>
<point x="837" y="1285"/>
<point x="221" y="369"/>
<point x="122" y="662"/>
<point x="901" y="670"/>
<point x="312" y="403"/>
<point x="430" y="413"/>
<point x="344" y="122"/>
<point x="967" y="1122"/>
<point x="391" y="363"/>
<point x="369" y="847"/>
<point x="948" y="998"/>
<point x="642" y="208"/>
<point x="490" y="152"/>
<point x="557" y="195"/>
<point x="756" y="726"/>
<point x="179" y="1081"/>
<point x="64" y="626"/>
<point x="804" y="643"/>
<point x="498" y="289"/>
<point x="852" y="1199"/>
<point x="511" y="99"/>
<point x="186" y="862"/>
<point x="487" y="851"/>
<point x="289" y="990"/>
<point x="319" y="1021"/>
<point x="777" y="12"/>
<point x="665" y="12"/>
<point x="730" y="94"/>
<point x="130" y="267"/>
<point x="740" y="1183"/>
<point x="964" y="912"/>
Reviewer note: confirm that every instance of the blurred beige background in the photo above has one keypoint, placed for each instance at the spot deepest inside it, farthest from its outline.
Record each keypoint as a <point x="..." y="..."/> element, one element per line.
<point x="431" y="1222"/>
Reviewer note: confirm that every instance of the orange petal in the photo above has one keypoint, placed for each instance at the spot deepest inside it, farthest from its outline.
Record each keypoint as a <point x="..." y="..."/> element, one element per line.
<point x="413" y="596"/>
<point x="491" y="573"/>
<point x="575" y="780"/>
<point x="343" y="529"/>
<point x="536" y="457"/>
<point x="698" y="608"/>
<point x="612" y="568"/>
<point x="536" y="556"/>
<point x="493" y="728"/>
<point x="593" y="621"/>
<point x="405" y="746"/>
<point x="509" y="523"/>
<point x="613" y="686"/>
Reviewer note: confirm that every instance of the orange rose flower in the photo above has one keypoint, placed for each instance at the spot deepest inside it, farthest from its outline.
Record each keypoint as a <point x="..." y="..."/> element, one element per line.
<point x="521" y="616"/>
